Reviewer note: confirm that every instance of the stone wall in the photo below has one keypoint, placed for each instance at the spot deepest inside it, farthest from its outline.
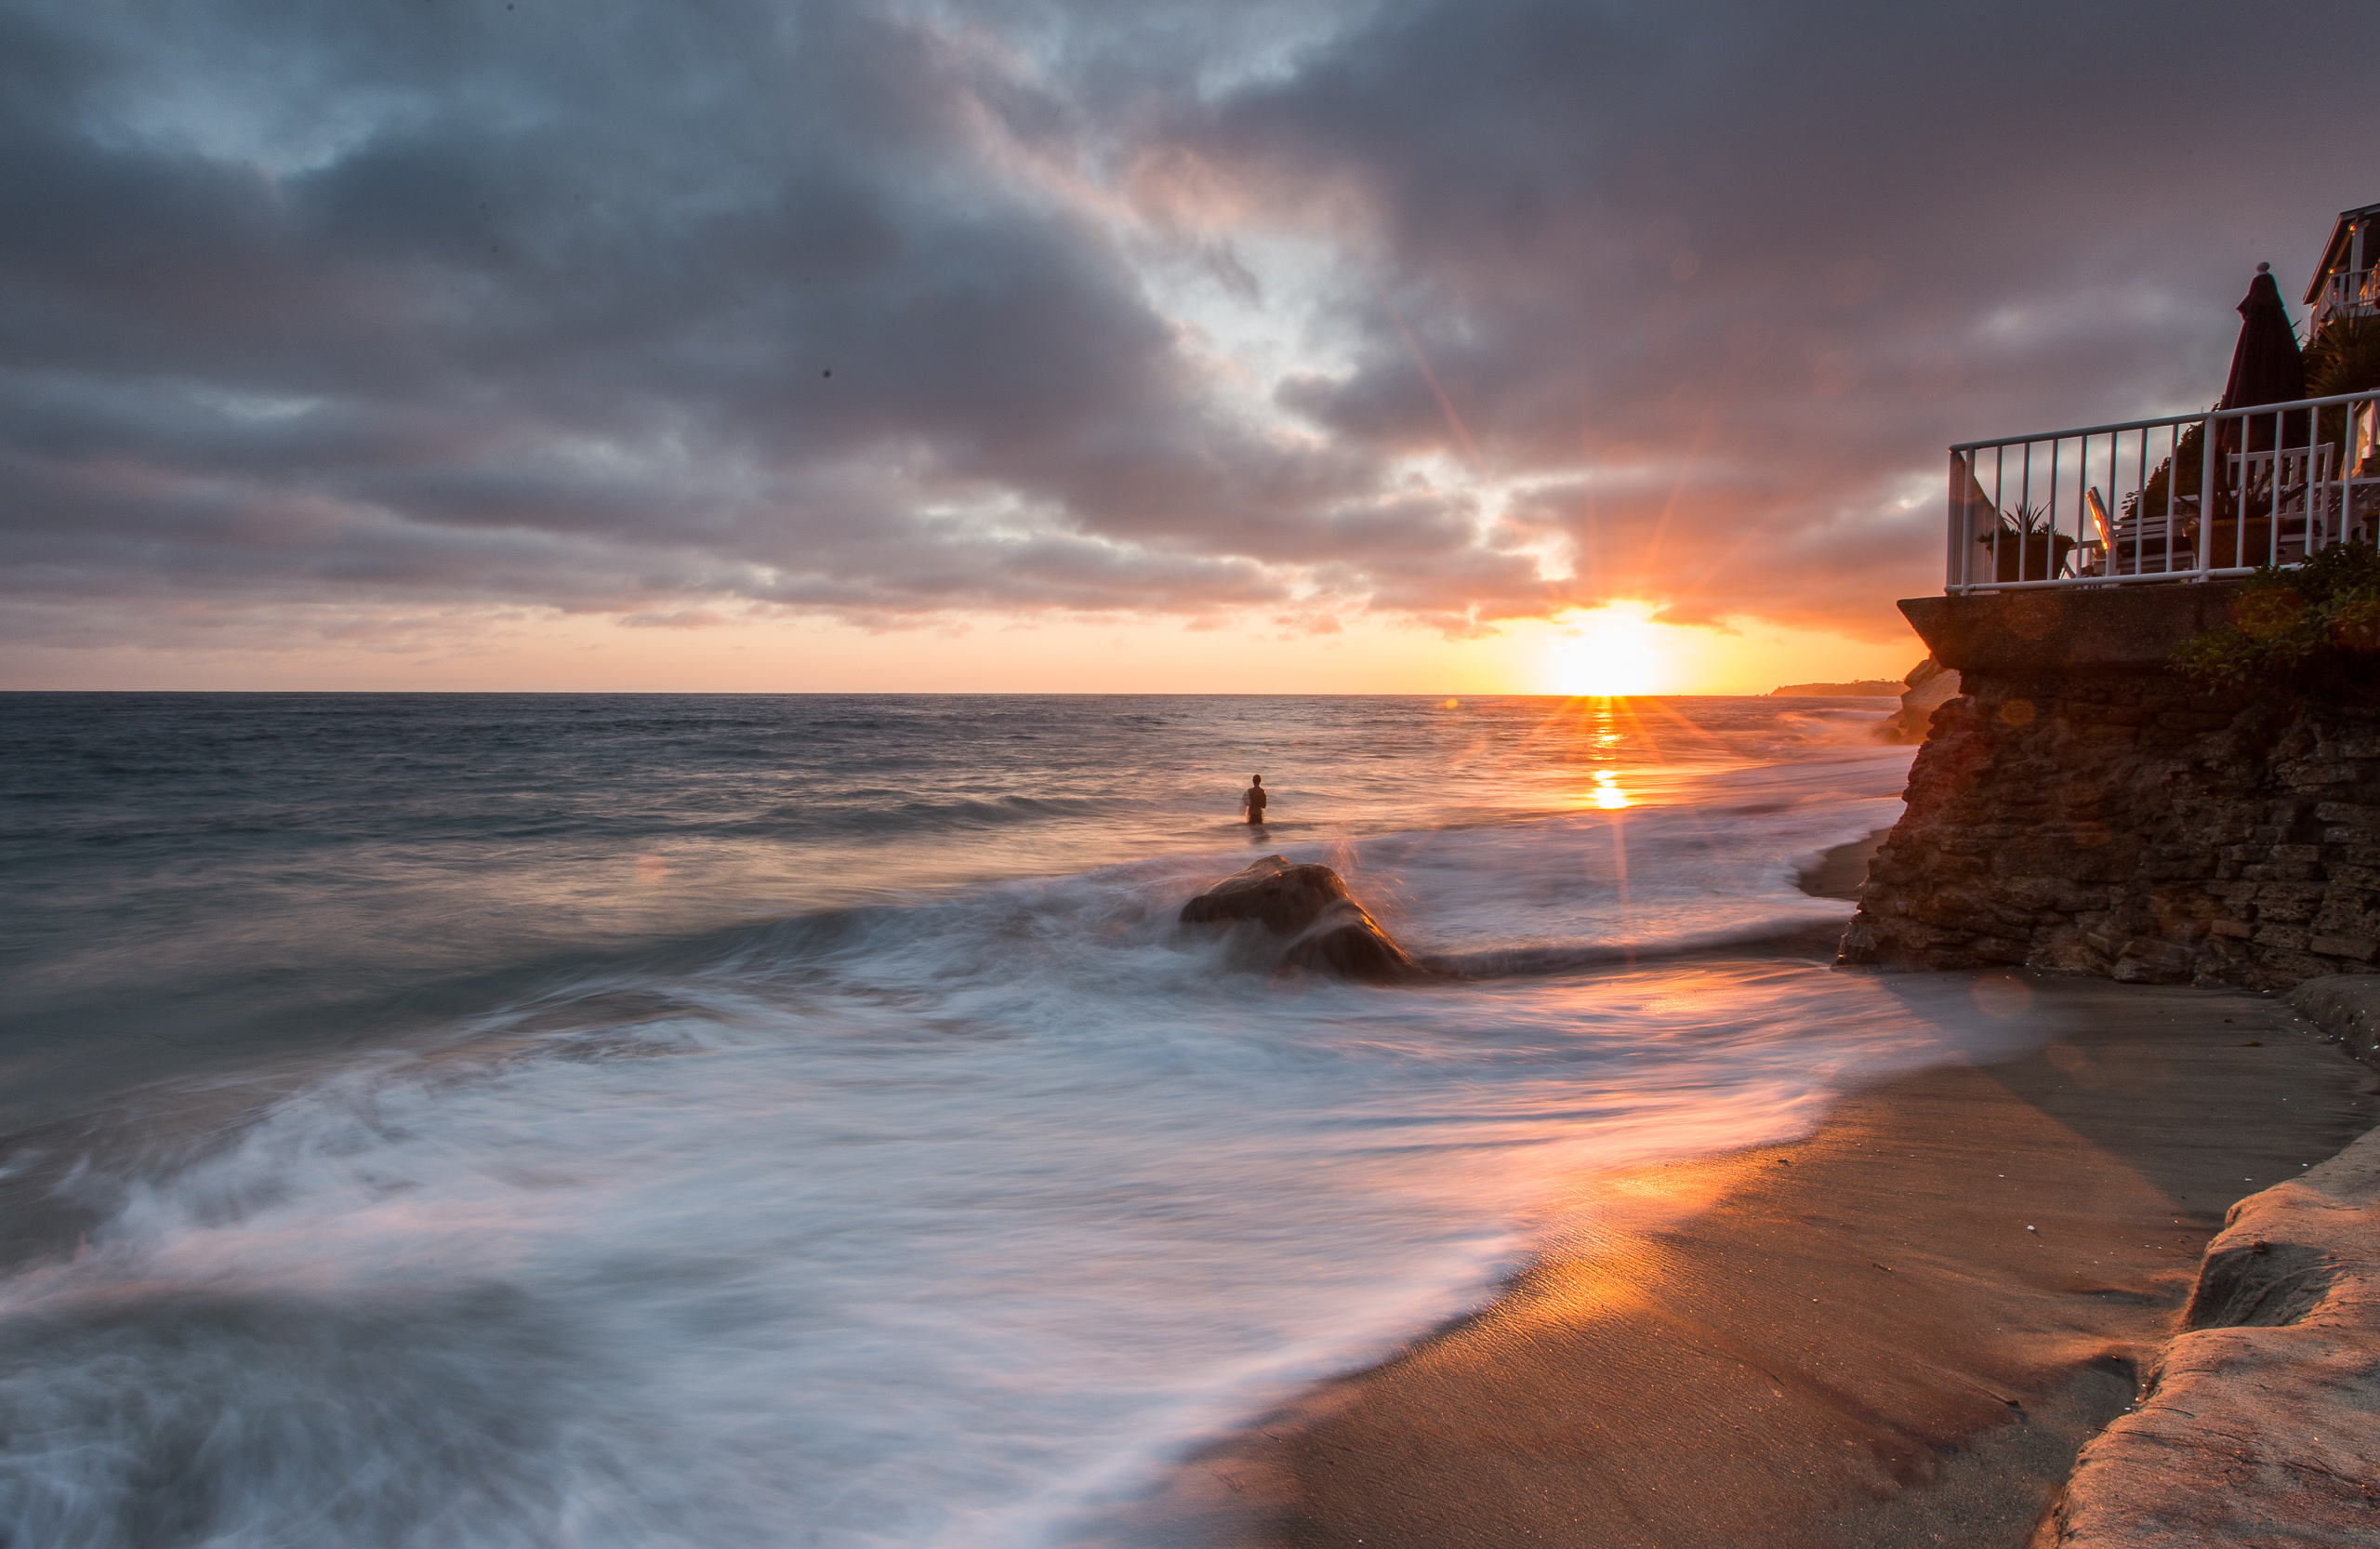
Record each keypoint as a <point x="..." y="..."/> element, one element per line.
<point x="2080" y="808"/>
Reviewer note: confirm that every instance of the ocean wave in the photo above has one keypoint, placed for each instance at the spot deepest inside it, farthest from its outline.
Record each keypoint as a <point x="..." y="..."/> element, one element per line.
<point x="749" y="1189"/>
<point x="771" y="1259"/>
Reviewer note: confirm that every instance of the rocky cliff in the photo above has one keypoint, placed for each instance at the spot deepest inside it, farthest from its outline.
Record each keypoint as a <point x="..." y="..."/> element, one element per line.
<point x="2080" y="807"/>
<point x="1929" y="686"/>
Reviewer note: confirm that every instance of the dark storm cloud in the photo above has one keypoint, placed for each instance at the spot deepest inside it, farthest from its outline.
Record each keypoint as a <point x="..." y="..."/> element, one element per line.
<point x="875" y="310"/>
<point x="1782" y="254"/>
<point x="731" y="304"/>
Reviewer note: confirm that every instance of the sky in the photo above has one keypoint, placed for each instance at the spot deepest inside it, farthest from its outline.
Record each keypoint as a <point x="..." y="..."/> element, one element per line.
<point x="1238" y="346"/>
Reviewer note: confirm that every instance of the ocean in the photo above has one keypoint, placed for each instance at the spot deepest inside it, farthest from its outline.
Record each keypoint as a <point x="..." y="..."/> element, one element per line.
<point x="480" y="1121"/>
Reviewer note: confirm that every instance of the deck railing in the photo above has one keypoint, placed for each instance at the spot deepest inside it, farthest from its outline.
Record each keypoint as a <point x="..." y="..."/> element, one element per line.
<point x="2349" y="293"/>
<point x="2185" y="497"/>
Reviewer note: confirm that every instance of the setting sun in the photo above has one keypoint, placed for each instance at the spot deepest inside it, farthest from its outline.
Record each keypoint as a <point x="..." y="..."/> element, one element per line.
<point x="1611" y="652"/>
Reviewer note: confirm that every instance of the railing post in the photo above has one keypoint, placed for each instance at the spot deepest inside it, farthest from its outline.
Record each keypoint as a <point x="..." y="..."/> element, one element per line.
<point x="2206" y="493"/>
<point x="1951" y="574"/>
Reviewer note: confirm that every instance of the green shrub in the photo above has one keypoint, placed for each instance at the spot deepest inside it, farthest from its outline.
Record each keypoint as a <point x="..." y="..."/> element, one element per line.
<point x="2344" y="357"/>
<point x="2314" y="626"/>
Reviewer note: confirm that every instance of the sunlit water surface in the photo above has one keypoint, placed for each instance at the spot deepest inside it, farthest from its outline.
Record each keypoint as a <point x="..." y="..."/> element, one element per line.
<point x="478" y="1121"/>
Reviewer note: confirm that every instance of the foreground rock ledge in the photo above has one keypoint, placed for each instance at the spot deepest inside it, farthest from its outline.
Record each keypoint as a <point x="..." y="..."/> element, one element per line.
<point x="1328" y="932"/>
<point x="2262" y="1421"/>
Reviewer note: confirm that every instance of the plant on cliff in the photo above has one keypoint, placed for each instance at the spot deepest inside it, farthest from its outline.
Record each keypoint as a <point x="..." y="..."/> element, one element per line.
<point x="2314" y="626"/>
<point x="2344" y="357"/>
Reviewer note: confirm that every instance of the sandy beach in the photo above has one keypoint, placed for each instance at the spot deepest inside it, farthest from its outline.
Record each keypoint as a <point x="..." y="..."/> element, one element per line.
<point x="1897" y="1330"/>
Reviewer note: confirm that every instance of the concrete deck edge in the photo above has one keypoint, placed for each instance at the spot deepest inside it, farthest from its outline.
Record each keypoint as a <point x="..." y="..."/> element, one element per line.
<point x="2095" y="629"/>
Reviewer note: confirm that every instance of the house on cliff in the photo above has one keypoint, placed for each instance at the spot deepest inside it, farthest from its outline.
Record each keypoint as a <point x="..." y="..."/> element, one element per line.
<point x="2347" y="280"/>
<point x="2083" y="803"/>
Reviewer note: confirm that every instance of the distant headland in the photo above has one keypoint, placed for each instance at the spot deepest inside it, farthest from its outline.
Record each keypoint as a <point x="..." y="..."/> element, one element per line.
<point x="1876" y="688"/>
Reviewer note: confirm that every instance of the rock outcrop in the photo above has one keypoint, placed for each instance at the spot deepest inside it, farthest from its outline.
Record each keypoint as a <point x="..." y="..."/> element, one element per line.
<point x="2122" y="822"/>
<point x="1324" y="930"/>
<point x="1931" y="685"/>
<point x="2261" y="1424"/>
<point x="2346" y="1006"/>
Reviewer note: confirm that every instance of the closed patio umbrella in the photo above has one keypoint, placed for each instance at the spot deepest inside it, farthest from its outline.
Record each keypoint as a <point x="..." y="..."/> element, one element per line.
<point x="2266" y="366"/>
<point x="2248" y="525"/>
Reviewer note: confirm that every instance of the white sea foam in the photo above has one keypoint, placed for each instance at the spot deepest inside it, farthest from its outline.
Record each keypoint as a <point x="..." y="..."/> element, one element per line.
<point x="945" y="1216"/>
<point x="929" y="1224"/>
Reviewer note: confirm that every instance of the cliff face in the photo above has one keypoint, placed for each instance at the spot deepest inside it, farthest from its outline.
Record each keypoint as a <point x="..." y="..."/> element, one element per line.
<point x="2113" y="820"/>
<point x="1930" y="686"/>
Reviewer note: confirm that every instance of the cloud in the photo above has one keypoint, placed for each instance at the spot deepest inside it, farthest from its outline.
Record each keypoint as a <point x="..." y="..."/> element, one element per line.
<point x="896" y="314"/>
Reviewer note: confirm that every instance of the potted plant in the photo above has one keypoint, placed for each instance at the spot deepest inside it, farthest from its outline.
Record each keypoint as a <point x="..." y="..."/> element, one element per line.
<point x="2024" y="549"/>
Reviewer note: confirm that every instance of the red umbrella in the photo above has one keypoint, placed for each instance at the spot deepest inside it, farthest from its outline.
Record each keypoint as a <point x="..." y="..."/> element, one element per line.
<point x="2266" y="366"/>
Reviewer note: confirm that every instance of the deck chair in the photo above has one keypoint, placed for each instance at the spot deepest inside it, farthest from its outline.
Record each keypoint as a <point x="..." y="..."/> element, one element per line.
<point x="2146" y="543"/>
<point x="2278" y="502"/>
<point x="2091" y="556"/>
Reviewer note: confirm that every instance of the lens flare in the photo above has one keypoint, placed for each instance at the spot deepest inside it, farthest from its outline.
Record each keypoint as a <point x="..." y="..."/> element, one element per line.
<point x="1613" y="652"/>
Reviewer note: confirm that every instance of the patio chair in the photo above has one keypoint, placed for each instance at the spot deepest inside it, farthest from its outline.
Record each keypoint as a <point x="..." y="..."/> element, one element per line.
<point x="2142" y="543"/>
<point x="2091" y="554"/>
<point x="2277" y="505"/>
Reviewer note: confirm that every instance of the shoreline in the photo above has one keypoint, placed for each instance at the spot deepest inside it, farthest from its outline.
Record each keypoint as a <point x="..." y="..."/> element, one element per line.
<point x="1852" y="1339"/>
<point x="1837" y="873"/>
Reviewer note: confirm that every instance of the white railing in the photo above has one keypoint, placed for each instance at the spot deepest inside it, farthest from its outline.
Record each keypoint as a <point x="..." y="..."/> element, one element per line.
<point x="2114" y="505"/>
<point x="2349" y="293"/>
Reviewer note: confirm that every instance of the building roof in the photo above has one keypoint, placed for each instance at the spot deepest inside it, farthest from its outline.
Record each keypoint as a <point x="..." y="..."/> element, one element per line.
<point x="2335" y="252"/>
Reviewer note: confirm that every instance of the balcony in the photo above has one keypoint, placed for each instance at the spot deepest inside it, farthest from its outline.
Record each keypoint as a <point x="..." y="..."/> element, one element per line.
<point x="2348" y="293"/>
<point x="2346" y="281"/>
<point x="2190" y="498"/>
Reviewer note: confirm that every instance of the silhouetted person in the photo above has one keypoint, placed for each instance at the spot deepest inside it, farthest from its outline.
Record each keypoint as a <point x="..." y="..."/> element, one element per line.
<point x="1254" y="799"/>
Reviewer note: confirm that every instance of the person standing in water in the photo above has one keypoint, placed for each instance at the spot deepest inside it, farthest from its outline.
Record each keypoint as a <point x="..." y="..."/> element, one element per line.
<point x="1254" y="799"/>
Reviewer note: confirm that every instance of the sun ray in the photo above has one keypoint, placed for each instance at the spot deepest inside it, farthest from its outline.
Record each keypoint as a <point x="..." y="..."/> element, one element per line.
<point x="1610" y="653"/>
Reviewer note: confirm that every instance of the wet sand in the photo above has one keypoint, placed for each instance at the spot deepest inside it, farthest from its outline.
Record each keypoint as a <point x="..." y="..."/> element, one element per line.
<point x="1897" y="1330"/>
<point x="1839" y="871"/>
